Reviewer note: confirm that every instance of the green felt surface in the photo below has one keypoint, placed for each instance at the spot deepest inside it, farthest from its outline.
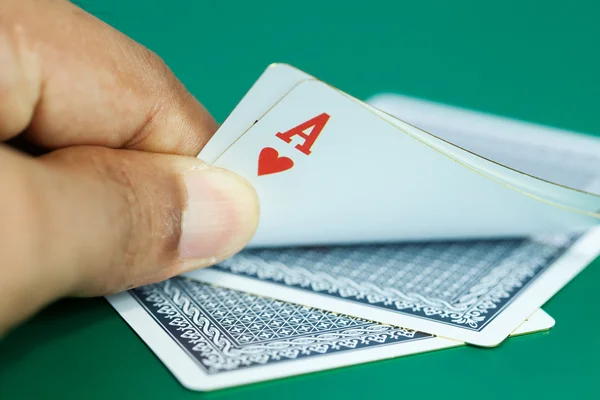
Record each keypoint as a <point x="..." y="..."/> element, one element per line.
<point x="538" y="61"/>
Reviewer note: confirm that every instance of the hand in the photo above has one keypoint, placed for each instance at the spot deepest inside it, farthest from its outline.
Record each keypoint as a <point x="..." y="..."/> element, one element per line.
<point x="119" y="200"/>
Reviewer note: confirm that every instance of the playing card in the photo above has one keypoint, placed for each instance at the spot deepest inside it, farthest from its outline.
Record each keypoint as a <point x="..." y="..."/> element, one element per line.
<point x="330" y="170"/>
<point x="210" y="337"/>
<point x="477" y="292"/>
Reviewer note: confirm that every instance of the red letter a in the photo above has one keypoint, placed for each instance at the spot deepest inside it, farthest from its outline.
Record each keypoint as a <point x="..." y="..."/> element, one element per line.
<point x="317" y="124"/>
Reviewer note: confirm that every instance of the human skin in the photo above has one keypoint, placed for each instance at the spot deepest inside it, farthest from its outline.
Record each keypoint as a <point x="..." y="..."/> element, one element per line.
<point x="117" y="199"/>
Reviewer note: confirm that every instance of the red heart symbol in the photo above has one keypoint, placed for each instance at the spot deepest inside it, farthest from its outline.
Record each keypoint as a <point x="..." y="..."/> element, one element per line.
<point x="269" y="162"/>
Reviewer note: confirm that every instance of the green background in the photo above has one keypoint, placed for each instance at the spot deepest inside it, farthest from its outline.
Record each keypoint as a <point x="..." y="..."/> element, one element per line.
<point x="536" y="61"/>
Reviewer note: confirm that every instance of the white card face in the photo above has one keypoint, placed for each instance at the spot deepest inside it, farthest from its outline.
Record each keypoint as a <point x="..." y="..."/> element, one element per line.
<point x="472" y="291"/>
<point x="211" y="338"/>
<point x="361" y="179"/>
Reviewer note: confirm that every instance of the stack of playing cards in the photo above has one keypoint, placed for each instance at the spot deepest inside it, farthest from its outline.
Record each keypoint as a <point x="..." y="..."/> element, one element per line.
<point x="378" y="237"/>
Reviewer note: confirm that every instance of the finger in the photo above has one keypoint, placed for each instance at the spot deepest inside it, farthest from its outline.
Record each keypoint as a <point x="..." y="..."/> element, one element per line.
<point x="92" y="221"/>
<point x="70" y="79"/>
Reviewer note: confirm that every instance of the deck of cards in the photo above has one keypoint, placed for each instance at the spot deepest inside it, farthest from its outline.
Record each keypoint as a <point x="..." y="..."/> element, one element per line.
<point x="388" y="228"/>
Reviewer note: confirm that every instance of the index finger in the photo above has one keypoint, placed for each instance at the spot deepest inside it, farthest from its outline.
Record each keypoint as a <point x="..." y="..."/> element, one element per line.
<point x="70" y="79"/>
